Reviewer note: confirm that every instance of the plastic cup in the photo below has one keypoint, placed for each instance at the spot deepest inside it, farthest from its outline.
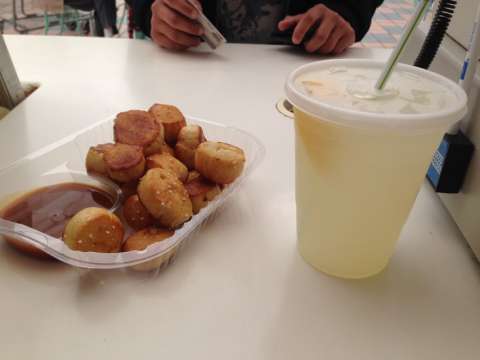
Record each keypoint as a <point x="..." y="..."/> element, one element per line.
<point x="361" y="159"/>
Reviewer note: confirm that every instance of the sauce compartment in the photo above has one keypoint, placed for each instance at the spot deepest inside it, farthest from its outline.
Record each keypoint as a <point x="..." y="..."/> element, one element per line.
<point x="48" y="205"/>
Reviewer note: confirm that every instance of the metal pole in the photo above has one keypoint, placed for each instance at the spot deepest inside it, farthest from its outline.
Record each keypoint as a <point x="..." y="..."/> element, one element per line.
<point x="14" y="15"/>
<point x="22" y="7"/>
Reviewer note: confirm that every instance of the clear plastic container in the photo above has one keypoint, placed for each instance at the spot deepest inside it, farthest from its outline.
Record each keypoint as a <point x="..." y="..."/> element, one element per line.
<point x="68" y="157"/>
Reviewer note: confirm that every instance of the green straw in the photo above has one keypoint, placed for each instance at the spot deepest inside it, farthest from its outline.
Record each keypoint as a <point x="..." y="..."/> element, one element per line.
<point x="402" y="44"/>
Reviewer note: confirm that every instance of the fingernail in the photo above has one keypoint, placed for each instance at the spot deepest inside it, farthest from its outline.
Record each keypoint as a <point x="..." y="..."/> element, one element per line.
<point x="295" y="40"/>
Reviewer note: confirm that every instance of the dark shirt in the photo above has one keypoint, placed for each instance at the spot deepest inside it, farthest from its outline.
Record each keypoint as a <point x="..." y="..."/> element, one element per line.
<point x="250" y="20"/>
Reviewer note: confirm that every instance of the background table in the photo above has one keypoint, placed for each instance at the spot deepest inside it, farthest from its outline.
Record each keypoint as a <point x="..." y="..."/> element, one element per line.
<point x="239" y="290"/>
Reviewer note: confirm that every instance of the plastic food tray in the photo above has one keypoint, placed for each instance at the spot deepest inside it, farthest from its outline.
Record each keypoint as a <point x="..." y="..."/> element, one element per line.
<point x="69" y="155"/>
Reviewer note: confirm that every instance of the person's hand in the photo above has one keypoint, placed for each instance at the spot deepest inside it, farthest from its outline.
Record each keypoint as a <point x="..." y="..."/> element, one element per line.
<point x="174" y="24"/>
<point x="333" y="35"/>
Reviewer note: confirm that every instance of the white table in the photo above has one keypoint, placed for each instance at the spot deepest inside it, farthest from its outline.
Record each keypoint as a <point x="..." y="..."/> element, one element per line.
<point x="239" y="290"/>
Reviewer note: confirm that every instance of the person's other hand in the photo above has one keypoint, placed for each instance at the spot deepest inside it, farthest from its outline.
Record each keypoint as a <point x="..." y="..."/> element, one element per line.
<point x="333" y="35"/>
<point x="174" y="24"/>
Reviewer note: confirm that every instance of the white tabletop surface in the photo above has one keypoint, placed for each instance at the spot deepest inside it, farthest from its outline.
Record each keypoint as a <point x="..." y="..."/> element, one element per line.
<point x="239" y="290"/>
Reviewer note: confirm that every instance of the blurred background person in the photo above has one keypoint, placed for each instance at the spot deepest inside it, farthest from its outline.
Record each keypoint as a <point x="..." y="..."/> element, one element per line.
<point x="105" y="14"/>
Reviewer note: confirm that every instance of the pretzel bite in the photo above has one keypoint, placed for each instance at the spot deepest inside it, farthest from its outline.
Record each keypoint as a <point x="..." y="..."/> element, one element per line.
<point x="136" y="127"/>
<point x="135" y="214"/>
<point x="95" y="162"/>
<point x="171" y="118"/>
<point x="219" y="162"/>
<point x="94" y="229"/>
<point x="192" y="175"/>
<point x="158" y="144"/>
<point x="168" y="162"/>
<point x="129" y="189"/>
<point x="201" y="191"/>
<point x="165" y="198"/>
<point x="167" y="149"/>
<point x="144" y="238"/>
<point x="124" y="162"/>
<point x="188" y="140"/>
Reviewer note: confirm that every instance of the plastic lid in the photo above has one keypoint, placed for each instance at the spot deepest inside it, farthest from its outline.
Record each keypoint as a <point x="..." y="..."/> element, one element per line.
<point x="395" y="121"/>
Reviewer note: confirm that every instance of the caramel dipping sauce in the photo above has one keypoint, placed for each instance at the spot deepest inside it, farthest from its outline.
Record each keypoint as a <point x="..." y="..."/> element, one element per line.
<point x="49" y="208"/>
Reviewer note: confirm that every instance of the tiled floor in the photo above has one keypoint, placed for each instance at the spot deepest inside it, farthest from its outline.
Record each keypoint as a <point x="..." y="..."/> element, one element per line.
<point x="388" y="23"/>
<point x="386" y="28"/>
